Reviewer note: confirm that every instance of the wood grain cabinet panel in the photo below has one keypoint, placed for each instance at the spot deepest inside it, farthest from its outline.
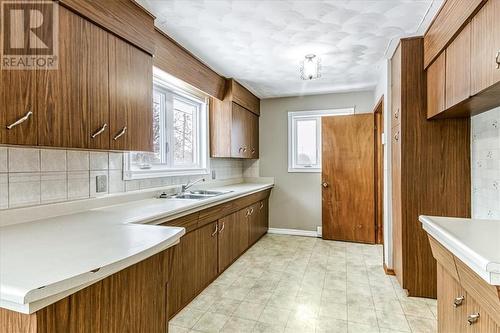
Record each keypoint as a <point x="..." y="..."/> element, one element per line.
<point x="220" y="118"/>
<point x="396" y="88"/>
<point x="436" y="86"/>
<point x="431" y="173"/>
<point x="485" y="50"/>
<point x="245" y="98"/>
<point x="206" y="257"/>
<point x="228" y="228"/>
<point x="130" y="97"/>
<point x="63" y="95"/>
<point x="239" y="132"/>
<point x="458" y="68"/>
<point x="451" y="316"/>
<point x="17" y="90"/>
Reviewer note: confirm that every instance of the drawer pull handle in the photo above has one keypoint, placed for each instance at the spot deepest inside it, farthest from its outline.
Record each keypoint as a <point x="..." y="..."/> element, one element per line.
<point x="216" y="229"/>
<point x="473" y="318"/>
<point x="20" y="120"/>
<point x="458" y="301"/>
<point x="396" y="114"/>
<point x="222" y="228"/>
<point x="261" y="205"/>
<point x="122" y="132"/>
<point x="497" y="60"/>
<point x="396" y="137"/>
<point x="247" y="213"/>
<point x="99" y="131"/>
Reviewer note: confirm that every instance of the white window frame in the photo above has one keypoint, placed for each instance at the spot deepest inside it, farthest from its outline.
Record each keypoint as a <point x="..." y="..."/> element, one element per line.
<point x="316" y="115"/>
<point x="170" y="87"/>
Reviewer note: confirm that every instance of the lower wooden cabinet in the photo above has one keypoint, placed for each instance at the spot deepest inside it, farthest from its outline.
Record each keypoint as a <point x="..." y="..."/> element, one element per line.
<point x="458" y="311"/>
<point x="131" y="300"/>
<point x="207" y="250"/>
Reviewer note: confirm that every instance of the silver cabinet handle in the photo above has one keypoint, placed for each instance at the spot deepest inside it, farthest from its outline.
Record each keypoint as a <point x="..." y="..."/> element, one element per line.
<point x="396" y="137"/>
<point x="324" y="184"/>
<point x="472" y="318"/>
<point x="20" y="120"/>
<point x="99" y="131"/>
<point x="396" y="114"/>
<point x="239" y="150"/>
<point x="458" y="301"/>
<point x="261" y="205"/>
<point x="244" y="149"/>
<point x="216" y="229"/>
<point x="251" y="211"/>
<point x="253" y="151"/>
<point x="222" y="228"/>
<point x="123" y="131"/>
<point x="497" y="59"/>
<point x="247" y="214"/>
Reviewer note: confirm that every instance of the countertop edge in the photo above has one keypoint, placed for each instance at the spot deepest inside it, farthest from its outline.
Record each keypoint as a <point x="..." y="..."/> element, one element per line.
<point x="467" y="255"/>
<point x="37" y="299"/>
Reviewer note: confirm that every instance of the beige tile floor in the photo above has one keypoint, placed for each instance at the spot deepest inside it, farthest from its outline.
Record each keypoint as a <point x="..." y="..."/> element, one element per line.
<point x="301" y="284"/>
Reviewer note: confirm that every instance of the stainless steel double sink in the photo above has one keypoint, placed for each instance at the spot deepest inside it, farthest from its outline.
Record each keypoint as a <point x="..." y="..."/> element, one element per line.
<point x="195" y="195"/>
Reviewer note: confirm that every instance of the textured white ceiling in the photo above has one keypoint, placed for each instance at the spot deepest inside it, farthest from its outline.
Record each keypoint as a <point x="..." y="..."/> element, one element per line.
<point x="261" y="43"/>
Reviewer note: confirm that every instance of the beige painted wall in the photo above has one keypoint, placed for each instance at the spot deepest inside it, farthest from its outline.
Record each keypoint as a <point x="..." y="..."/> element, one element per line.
<point x="295" y="202"/>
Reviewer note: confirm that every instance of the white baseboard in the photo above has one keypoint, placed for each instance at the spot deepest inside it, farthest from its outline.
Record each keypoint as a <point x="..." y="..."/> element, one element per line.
<point x="293" y="232"/>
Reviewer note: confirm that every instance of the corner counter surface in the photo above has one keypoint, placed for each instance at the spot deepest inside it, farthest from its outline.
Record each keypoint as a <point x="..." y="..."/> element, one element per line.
<point x="475" y="242"/>
<point x="44" y="260"/>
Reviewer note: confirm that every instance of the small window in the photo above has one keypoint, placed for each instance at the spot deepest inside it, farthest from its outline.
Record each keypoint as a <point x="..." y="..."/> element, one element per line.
<point x="304" y="138"/>
<point x="180" y="144"/>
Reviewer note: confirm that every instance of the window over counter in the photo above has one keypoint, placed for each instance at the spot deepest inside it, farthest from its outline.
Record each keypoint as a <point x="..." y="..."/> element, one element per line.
<point x="304" y="138"/>
<point x="180" y="133"/>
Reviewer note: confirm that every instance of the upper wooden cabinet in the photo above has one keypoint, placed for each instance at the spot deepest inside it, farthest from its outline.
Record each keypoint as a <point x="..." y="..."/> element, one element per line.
<point x="130" y="97"/>
<point x="234" y="129"/>
<point x="485" y="48"/>
<point x="468" y="79"/>
<point x="101" y="88"/>
<point x="243" y="97"/>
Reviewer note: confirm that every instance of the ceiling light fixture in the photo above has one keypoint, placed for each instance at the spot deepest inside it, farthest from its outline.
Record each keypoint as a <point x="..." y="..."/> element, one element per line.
<point x="310" y="67"/>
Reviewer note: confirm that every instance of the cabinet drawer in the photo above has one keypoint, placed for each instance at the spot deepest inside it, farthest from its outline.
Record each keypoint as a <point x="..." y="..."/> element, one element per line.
<point x="189" y="222"/>
<point x="214" y="213"/>
<point x="444" y="257"/>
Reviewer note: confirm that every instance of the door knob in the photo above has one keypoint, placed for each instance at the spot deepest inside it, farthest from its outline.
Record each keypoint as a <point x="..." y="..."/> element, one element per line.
<point x="325" y="184"/>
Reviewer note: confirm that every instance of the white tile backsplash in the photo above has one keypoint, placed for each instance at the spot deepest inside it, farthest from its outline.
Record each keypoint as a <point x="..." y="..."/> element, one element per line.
<point x="24" y="159"/>
<point x="78" y="185"/>
<point x="3" y="159"/>
<point x="40" y="176"/>
<point x="24" y="189"/>
<point x="53" y="187"/>
<point x="485" y="164"/>
<point x="4" y="191"/>
<point x="99" y="161"/>
<point x="78" y="160"/>
<point x="53" y="160"/>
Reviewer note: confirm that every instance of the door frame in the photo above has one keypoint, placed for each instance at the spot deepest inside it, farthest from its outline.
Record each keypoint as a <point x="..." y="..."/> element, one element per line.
<point x="379" y="170"/>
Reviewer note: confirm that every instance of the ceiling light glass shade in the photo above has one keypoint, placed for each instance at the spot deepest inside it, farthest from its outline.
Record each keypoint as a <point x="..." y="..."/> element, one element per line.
<point x="310" y="67"/>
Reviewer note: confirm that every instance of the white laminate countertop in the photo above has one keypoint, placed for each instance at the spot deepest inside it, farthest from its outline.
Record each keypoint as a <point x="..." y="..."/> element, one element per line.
<point x="47" y="259"/>
<point x="475" y="242"/>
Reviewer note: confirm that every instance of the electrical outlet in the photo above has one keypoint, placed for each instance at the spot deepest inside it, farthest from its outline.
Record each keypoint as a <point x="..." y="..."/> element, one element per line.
<point x="101" y="184"/>
<point x="213" y="174"/>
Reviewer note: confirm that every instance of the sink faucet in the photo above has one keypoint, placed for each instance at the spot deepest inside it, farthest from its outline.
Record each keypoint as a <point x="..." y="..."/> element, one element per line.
<point x="189" y="184"/>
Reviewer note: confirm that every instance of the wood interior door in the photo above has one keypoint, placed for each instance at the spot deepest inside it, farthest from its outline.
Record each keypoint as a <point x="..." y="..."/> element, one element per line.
<point x="348" y="178"/>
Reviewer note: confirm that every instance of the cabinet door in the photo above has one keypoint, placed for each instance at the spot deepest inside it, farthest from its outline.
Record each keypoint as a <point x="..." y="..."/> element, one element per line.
<point x="182" y="287"/>
<point x="130" y="97"/>
<point x="239" y="131"/>
<point x="254" y="222"/>
<point x="220" y="128"/>
<point x="483" y="324"/>
<point x="436" y="83"/>
<point x="206" y="257"/>
<point x="227" y="240"/>
<point x="458" y="69"/>
<point x="451" y="318"/>
<point x="263" y="217"/>
<point x="242" y="231"/>
<point x="254" y="135"/>
<point x="63" y="94"/>
<point x="485" y="50"/>
<point x="16" y="95"/>
<point x="396" y="88"/>
<point x="397" y="227"/>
